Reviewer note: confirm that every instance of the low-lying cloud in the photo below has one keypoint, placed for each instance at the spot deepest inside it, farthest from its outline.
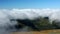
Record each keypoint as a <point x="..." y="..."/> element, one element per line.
<point x="34" y="13"/>
<point x="6" y="14"/>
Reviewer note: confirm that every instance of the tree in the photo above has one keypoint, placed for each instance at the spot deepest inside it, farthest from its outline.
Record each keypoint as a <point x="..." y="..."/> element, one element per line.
<point x="56" y="24"/>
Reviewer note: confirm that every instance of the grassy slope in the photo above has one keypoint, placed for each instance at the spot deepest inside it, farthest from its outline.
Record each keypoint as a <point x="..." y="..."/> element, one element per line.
<point x="57" y="31"/>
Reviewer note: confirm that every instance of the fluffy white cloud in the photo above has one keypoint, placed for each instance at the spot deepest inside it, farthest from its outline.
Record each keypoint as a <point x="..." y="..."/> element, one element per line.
<point x="34" y="13"/>
<point x="29" y="13"/>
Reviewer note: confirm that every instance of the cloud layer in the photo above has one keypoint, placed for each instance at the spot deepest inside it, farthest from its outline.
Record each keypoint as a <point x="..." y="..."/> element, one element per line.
<point x="6" y="14"/>
<point x="34" y="13"/>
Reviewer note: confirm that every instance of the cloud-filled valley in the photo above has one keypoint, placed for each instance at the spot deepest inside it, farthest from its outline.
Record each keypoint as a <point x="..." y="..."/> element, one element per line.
<point x="7" y="14"/>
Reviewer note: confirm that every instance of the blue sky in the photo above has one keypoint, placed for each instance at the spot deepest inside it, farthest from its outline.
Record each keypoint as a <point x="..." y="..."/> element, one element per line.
<point x="7" y="4"/>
